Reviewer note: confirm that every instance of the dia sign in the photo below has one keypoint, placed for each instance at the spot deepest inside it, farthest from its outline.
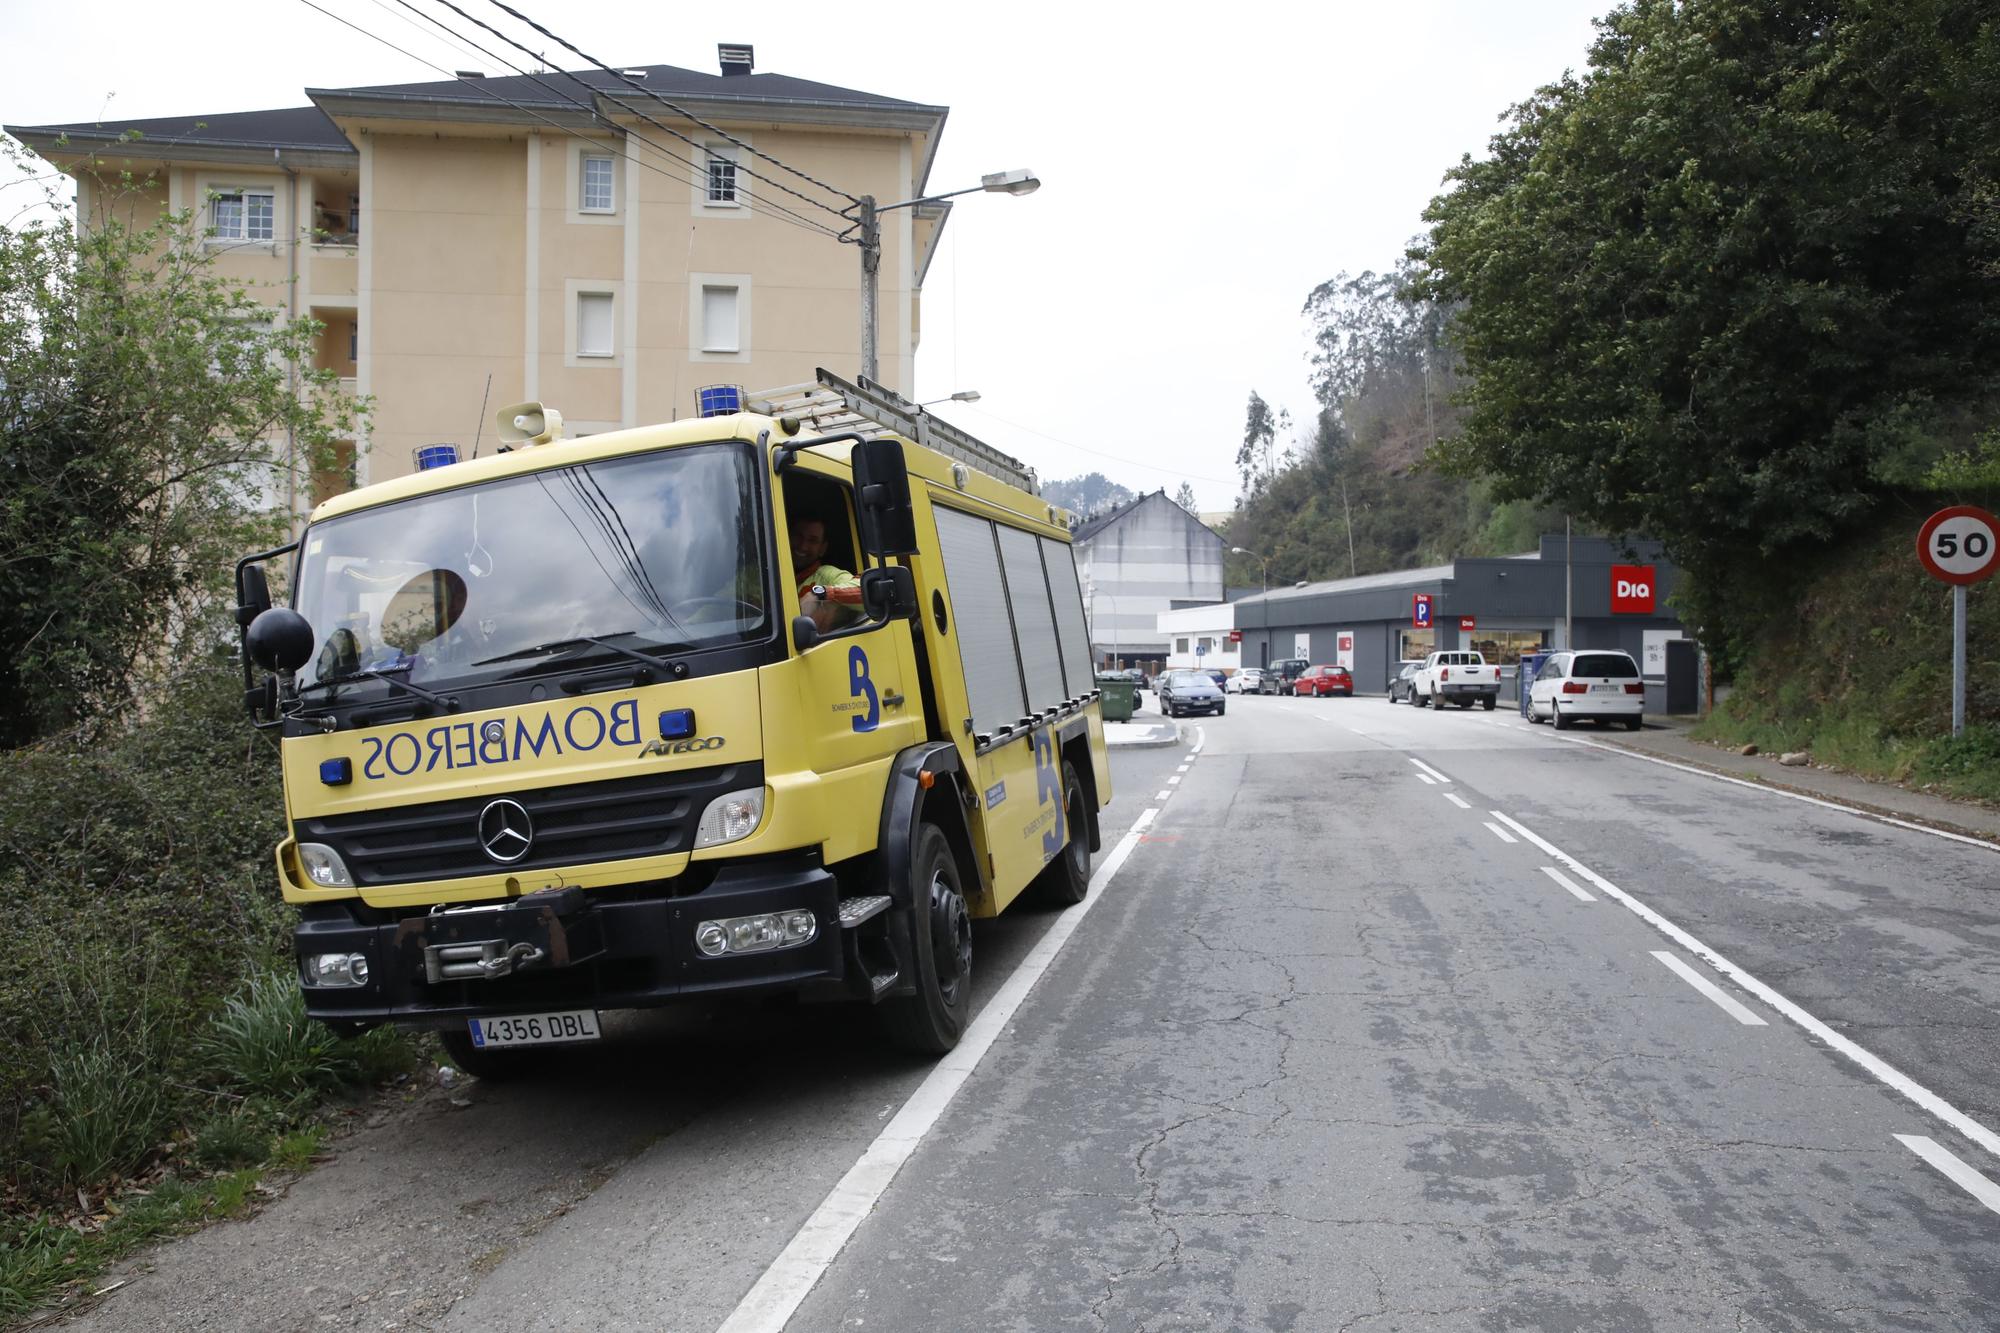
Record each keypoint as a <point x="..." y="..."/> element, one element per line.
<point x="1632" y="590"/>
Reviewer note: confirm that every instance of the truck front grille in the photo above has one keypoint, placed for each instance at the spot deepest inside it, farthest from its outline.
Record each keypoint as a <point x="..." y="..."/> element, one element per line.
<point x="576" y="824"/>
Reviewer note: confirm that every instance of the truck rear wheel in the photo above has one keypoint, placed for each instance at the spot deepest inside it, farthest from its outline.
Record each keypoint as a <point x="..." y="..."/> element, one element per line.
<point x="1065" y="881"/>
<point x="931" y="1021"/>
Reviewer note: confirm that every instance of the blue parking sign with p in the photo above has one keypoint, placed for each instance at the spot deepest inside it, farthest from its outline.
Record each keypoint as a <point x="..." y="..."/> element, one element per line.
<point x="1420" y="610"/>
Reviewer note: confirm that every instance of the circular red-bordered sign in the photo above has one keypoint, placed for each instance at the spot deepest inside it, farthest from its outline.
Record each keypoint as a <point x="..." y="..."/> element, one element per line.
<point x="1960" y="544"/>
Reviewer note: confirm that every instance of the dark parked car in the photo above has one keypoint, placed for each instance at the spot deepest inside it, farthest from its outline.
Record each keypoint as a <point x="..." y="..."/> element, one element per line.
<point x="1190" y="692"/>
<point x="1281" y="673"/>
<point x="1320" y="681"/>
<point x="1403" y="687"/>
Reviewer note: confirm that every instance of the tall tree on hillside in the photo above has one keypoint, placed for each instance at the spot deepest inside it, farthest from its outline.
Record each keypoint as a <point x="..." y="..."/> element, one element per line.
<point x="1184" y="497"/>
<point x="1737" y="281"/>
<point x="1256" y="458"/>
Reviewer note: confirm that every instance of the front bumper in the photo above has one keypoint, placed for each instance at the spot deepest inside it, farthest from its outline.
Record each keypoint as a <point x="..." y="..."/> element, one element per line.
<point x="632" y="951"/>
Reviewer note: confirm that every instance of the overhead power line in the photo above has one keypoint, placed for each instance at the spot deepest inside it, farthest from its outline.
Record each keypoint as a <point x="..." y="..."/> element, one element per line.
<point x="852" y="200"/>
<point x="1116" y="458"/>
<point x="789" y="217"/>
<point x="695" y="181"/>
<point x="613" y="97"/>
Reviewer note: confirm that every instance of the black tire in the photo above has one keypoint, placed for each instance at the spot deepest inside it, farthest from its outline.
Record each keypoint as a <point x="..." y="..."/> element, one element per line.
<point x="1634" y="723"/>
<point x="491" y="1066"/>
<point x="1218" y="710"/>
<point x="1065" y="881"/>
<point x="1533" y="716"/>
<point x="931" y="1021"/>
<point x="1490" y="701"/>
<point x="1556" y="716"/>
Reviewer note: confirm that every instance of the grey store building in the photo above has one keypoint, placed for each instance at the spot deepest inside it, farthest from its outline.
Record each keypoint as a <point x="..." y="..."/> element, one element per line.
<point x="1503" y="607"/>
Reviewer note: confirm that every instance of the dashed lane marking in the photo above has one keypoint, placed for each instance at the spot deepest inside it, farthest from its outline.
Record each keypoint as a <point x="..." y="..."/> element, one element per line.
<point x="1880" y="1069"/>
<point x="1426" y="768"/>
<point x="1499" y="832"/>
<point x="1728" y="1003"/>
<point x="1174" y="781"/>
<point x="1458" y="800"/>
<point x="1427" y="779"/>
<point x="1161" y="796"/>
<point x="1973" y="1183"/>
<point x="1564" y="880"/>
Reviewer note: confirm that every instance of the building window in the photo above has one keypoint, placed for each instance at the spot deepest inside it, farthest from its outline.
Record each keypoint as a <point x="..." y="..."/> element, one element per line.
<point x="597" y="183"/>
<point x="353" y="341"/>
<point x="719" y="322"/>
<point x="722" y="174"/>
<point x="593" y="324"/>
<point x="1180" y="645"/>
<point x="242" y="215"/>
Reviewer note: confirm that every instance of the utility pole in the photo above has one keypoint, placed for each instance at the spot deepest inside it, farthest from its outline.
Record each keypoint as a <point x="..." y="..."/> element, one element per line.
<point x="1569" y="588"/>
<point x="871" y="272"/>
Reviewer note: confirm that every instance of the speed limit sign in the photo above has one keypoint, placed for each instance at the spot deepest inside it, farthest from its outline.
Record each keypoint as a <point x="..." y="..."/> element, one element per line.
<point x="1960" y="545"/>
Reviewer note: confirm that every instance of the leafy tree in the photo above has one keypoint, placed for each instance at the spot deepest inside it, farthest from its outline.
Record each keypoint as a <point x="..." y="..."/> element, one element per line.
<point x="1184" y="497"/>
<point x="140" y="398"/>
<point x="1092" y="493"/>
<point x="1256" y="458"/>
<point x="1737" y="282"/>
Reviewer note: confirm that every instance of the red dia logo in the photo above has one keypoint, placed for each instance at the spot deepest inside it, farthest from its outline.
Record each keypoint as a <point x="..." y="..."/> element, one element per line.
<point x="1632" y="590"/>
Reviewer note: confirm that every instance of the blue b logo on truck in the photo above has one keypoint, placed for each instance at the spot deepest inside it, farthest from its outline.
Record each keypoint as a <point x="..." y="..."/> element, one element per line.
<point x="860" y="687"/>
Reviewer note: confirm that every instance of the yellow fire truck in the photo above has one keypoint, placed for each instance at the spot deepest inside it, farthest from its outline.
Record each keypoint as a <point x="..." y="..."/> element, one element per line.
<point x="564" y="732"/>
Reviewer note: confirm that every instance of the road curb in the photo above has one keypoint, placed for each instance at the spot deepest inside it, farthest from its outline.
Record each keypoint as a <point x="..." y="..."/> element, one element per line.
<point x="1156" y="735"/>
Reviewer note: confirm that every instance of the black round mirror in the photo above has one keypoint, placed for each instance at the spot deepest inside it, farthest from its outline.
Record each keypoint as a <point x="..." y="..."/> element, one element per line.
<point x="280" y="640"/>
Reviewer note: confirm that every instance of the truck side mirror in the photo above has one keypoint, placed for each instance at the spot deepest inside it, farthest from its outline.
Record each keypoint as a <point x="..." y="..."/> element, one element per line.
<point x="253" y="595"/>
<point x="882" y="495"/>
<point x="889" y="593"/>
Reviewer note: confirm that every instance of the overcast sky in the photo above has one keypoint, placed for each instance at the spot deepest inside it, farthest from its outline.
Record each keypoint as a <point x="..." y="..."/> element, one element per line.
<point x="1200" y="174"/>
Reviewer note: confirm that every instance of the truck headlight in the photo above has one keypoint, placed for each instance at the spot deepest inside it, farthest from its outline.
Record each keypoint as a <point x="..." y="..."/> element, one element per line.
<point x="334" y="969"/>
<point x="756" y="934"/>
<point x="730" y="818"/>
<point x="323" y="866"/>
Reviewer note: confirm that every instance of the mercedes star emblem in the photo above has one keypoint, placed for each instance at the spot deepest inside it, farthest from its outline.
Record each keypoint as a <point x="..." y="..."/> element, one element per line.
<point x="505" y="831"/>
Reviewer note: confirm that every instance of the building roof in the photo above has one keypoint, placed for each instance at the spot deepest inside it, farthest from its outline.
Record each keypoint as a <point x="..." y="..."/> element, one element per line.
<point x="1097" y="523"/>
<point x="311" y="129"/>
<point x="567" y="90"/>
<point x="1416" y="578"/>
<point x="297" y="127"/>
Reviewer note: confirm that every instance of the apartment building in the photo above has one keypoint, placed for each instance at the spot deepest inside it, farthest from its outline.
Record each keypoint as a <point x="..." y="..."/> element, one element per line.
<point x="563" y="237"/>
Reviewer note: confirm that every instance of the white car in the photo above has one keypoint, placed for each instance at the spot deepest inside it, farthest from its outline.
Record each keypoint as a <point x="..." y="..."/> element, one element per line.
<point x="1249" y="680"/>
<point x="1596" y="683"/>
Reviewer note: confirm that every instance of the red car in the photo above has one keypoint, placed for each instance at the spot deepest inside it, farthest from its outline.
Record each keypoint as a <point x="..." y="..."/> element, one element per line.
<point x="1324" y="680"/>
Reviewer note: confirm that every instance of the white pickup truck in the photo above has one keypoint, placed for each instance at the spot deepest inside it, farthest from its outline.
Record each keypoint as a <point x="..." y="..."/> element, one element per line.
<point x="1461" y="678"/>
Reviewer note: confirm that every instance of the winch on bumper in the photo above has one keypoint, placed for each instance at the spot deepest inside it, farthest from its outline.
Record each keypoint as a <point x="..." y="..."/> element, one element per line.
<point x="564" y="948"/>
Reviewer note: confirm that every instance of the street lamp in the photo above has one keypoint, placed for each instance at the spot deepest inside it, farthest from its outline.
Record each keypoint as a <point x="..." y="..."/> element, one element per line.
<point x="1019" y="181"/>
<point x="1243" y="550"/>
<point x="962" y="396"/>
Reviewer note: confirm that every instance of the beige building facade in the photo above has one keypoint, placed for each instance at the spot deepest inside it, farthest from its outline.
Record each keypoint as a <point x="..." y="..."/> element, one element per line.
<point x="572" y="239"/>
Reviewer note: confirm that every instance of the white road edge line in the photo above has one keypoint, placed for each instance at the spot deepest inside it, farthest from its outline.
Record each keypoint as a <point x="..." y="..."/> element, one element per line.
<point x="1978" y="1186"/>
<point x="1775" y="791"/>
<point x="1499" y="832"/>
<point x="1881" y="1069"/>
<point x="1730" y="1005"/>
<point x="1458" y="800"/>
<point x="1582" y="894"/>
<point x="1427" y="779"/>
<point x="1427" y="768"/>
<point x="777" y="1295"/>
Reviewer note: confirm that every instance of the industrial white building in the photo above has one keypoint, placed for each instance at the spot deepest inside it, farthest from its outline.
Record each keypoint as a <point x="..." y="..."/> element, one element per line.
<point x="1137" y="561"/>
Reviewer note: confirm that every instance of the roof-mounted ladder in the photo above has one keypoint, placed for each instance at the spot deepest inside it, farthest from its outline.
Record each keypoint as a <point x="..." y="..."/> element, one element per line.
<point x="832" y="404"/>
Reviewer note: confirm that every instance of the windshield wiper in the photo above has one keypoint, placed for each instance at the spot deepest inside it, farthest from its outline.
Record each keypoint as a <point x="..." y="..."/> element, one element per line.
<point x="560" y="645"/>
<point x="384" y="674"/>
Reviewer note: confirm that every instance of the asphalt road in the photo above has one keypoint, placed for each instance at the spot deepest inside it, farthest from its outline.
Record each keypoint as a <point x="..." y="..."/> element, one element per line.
<point x="1385" y="1020"/>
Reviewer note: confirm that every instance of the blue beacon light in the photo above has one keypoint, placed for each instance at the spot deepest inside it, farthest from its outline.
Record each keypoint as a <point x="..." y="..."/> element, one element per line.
<point x="676" y="724"/>
<point x="336" y="772"/>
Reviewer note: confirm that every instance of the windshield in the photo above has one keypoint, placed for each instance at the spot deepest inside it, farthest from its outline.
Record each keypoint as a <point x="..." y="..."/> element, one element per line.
<point x="1191" y="678"/>
<point x="649" y="551"/>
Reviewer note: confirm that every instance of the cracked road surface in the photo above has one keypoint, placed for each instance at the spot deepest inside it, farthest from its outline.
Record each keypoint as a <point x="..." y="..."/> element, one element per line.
<point x="1348" y="1043"/>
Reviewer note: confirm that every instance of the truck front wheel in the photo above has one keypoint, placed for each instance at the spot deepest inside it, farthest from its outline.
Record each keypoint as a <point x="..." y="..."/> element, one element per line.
<point x="931" y="1021"/>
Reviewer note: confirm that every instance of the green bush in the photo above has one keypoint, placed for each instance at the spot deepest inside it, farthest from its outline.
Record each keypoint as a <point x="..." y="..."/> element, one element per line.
<point x="237" y="1138"/>
<point x="137" y="867"/>
<point x="262" y="1042"/>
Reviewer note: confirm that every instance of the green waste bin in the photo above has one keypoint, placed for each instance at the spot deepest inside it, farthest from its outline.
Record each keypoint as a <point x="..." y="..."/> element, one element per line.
<point x="1121" y="697"/>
